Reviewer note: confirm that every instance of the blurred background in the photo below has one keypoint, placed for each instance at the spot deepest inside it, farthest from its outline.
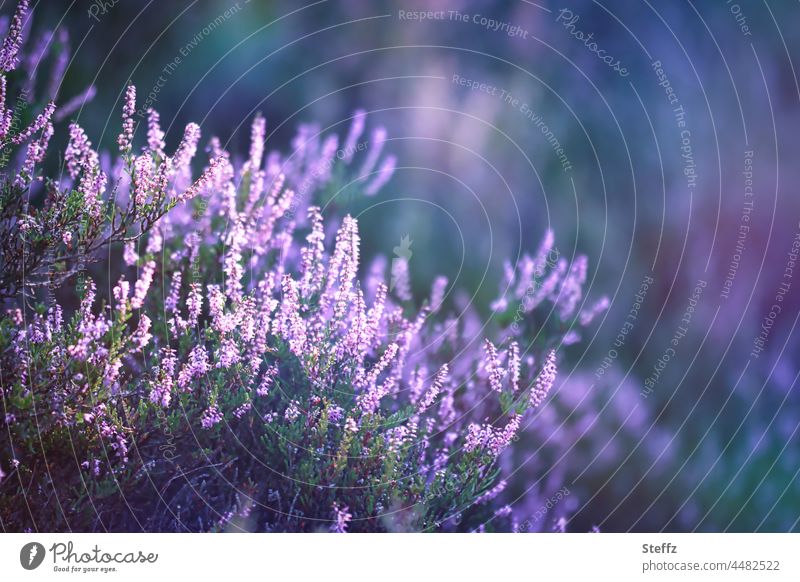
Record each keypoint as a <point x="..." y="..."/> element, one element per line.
<point x="659" y="139"/>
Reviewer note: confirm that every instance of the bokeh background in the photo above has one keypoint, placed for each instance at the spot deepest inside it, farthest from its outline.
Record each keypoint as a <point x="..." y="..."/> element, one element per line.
<point x="669" y="415"/>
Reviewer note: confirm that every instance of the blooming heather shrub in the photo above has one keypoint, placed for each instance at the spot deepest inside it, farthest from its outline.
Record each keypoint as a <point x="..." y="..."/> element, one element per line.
<point x="240" y="371"/>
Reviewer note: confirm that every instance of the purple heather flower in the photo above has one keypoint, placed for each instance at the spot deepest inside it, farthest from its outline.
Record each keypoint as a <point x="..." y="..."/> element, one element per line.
<point x="60" y="65"/>
<point x="75" y="103"/>
<point x="572" y="288"/>
<point x="354" y="344"/>
<point x="437" y="293"/>
<point x="399" y="436"/>
<point x="384" y="175"/>
<point x="438" y="382"/>
<point x="92" y="186"/>
<point x="228" y="353"/>
<point x="171" y="302"/>
<point x="232" y="262"/>
<point x="447" y="412"/>
<point x="526" y="278"/>
<point x="13" y="39"/>
<point x="34" y="155"/>
<point x="155" y="136"/>
<point x="79" y="154"/>
<point x="267" y="381"/>
<point x="129" y="254"/>
<point x="385" y="360"/>
<point x="37" y="124"/>
<point x="211" y="416"/>
<point x="194" y="303"/>
<point x="493" y="439"/>
<point x="375" y="314"/>
<point x="204" y="181"/>
<point x="142" y="335"/>
<point x="335" y="414"/>
<point x="504" y="511"/>
<point x="369" y="401"/>
<point x="111" y="433"/>
<point x="492" y="493"/>
<point x="492" y="366"/>
<point x="125" y="139"/>
<point x="187" y="148"/>
<point x="6" y="115"/>
<point x="514" y="365"/>
<point x="588" y="315"/>
<point x="161" y="389"/>
<point x="356" y="129"/>
<point x="142" y="285"/>
<point x="343" y="267"/>
<point x="216" y="307"/>
<point x="476" y="437"/>
<point x="401" y="279"/>
<point x="240" y="411"/>
<point x="374" y="152"/>
<point x="548" y="288"/>
<point x="416" y="383"/>
<point x="196" y="367"/>
<point x="502" y="438"/>
<point x="341" y="518"/>
<point x="543" y="253"/>
<point x="292" y="411"/>
<point x="312" y="255"/>
<point x="321" y="172"/>
<point x="111" y="372"/>
<point x="291" y="325"/>
<point x="544" y="382"/>
<point x="143" y="178"/>
<point x="257" y="139"/>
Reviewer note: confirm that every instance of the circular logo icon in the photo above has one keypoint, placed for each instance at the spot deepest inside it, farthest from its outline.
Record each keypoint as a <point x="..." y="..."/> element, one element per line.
<point x="31" y="555"/>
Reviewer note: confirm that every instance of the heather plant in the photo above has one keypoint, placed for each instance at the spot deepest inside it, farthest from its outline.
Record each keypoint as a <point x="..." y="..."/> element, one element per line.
<point x="228" y="363"/>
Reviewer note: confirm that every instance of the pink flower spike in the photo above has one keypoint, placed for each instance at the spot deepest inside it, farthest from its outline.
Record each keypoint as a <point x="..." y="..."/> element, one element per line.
<point x="155" y="136"/>
<point x="13" y="40"/>
<point x="125" y="139"/>
<point x="544" y="382"/>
